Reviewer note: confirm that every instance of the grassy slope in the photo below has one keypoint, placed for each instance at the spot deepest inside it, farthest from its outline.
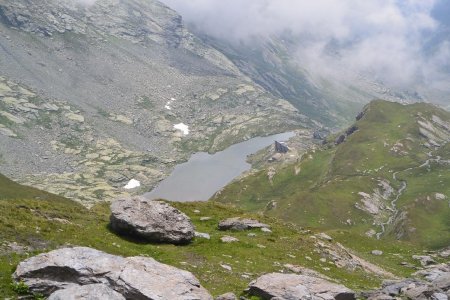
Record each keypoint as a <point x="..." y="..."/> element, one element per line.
<point x="30" y="218"/>
<point x="324" y="193"/>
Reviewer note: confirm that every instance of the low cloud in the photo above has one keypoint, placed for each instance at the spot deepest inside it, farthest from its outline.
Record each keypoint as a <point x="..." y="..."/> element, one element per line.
<point x="389" y="39"/>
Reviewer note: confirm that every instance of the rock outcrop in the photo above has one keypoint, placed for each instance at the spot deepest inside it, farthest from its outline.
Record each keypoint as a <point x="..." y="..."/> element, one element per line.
<point x="339" y="140"/>
<point x="132" y="277"/>
<point x="431" y="283"/>
<point x="281" y="147"/>
<point x="297" y="287"/>
<point x="153" y="221"/>
<point x="241" y="224"/>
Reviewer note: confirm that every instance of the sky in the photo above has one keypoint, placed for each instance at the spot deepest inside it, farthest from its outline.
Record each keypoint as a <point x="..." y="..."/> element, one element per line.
<point x="398" y="41"/>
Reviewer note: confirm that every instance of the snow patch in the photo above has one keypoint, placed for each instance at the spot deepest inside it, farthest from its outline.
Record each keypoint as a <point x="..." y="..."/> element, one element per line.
<point x="167" y="106"/>
<point x="183" y="127"/>
<point x="132" y="184"/>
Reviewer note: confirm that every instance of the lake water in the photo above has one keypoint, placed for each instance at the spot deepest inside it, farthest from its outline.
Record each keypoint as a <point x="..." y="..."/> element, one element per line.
<point x="204" y="174"/>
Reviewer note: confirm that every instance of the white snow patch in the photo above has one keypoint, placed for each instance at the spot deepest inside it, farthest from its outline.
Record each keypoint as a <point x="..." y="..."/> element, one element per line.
<point x="183" y="127"/>
<point x="167" y="106"/>
<point x="132" y="184"/>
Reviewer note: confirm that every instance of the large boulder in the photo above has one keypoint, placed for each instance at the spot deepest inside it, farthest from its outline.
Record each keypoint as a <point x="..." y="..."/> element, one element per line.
<point x="88" y="292"/>
<point x="153" y="221"/>
<point x="240" y="224"/>
<point x="133" y="277"/>
<point x="298" y="287"/>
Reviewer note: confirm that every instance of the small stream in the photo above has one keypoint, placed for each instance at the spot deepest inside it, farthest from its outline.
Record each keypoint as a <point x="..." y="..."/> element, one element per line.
<point x="403" y="186"/>
<point x="204" y="174"/>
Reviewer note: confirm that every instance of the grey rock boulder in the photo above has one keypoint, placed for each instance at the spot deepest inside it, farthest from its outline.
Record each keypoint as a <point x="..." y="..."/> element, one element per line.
<point x="394" y="287"/>
<point x="153" y="221"/>
<point x="228" y="239"/>
<point x="241" y="224"/>
<point x="377" y="252"/>
<point x="132" y="277"/>
<point x="202" y="235"/>
<point x="445" y="253"/>
<point x="431" y="283"/>
<point x="298" y="287"/>
<point x="439" y="296"/>
<point x="87" y="292"/>
<point x="425" y="260"/>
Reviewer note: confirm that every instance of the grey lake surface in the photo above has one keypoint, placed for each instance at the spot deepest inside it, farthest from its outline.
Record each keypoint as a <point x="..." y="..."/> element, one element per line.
<point x="204" y="174"/>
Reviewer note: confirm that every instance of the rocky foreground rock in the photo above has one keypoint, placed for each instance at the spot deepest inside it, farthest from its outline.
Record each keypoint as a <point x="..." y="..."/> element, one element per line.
<point x="153" y="221"/>
<point x="241" y="224"/>
<point x="430" y="283"/>
<point x="298" y="287"/>
<point x="77" y="269"/>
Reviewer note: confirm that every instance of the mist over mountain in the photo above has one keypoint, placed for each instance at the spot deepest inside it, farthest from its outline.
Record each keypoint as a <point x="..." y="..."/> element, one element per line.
<point x="397" y="43"/>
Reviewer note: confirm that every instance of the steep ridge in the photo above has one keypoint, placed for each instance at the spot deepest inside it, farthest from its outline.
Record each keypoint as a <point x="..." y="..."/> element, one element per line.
<point x="386" y="176"/>
<point x="86" y="89"/>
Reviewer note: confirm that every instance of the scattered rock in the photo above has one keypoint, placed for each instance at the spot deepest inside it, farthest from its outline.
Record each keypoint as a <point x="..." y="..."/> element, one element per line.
<point x="265" y="229"/>
<point x="90" y="292"/>
<point x="241" y="224"/>
<point x="305" y="271"/>
<point x="440" y="196"/>
<point x="226" y="267"/>
<point x="132" y="277"/>
<point x="74" y="117"/>
<point x="154" y="221"/>
<point x="417" y="292"/>
<point x="202" y="235"/>
<point x="324" y="236"/>
<point x="205" y="218"/>
<point x="339" y="140"/>
<point x="360" y="115"/>
<point x="7" y="132"/>
<point x="445" y="253"/>
<point x="13" y="118"/>
<point x="280" y="147"/>
<point x="439" y="296"/>
<point x="230" y="296"/>
<point x="228" y="239"/>
<point x="371" y="233"/>
<point x="393" y="287"/>
<point x="425" y="260"/>
<point x="351" y="130"/>
<point x="296" y="287"/>
<point x="377" y="252"/>
<point x="431" y="283"/>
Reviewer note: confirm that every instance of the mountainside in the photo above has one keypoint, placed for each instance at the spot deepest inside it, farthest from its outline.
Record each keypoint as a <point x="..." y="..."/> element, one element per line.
<point x="385" y="177"/>
<point x="332" y="99"/>
<point x="103" y="93"/>
<point x="34" y="222"/>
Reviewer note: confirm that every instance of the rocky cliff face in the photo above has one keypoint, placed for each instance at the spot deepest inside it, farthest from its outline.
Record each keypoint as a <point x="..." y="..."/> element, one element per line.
<point x="92" y="94"/>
